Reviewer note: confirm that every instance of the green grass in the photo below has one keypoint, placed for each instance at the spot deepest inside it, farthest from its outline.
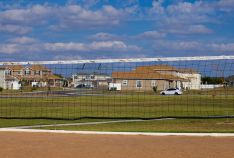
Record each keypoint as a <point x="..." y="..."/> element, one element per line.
<point x="121" y="105"/>
<point x="30" y="122"/>
<point x="141" y="105"/>
<point x="178" y="125"/>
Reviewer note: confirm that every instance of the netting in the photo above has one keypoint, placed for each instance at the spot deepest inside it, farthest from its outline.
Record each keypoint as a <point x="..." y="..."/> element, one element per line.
<point x="118" y="88"/>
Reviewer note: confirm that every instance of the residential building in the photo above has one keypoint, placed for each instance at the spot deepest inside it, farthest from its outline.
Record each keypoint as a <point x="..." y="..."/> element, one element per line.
<point x="13" y="76"/>
<point x="91" y="79"/>
<point x="159" y="76"/>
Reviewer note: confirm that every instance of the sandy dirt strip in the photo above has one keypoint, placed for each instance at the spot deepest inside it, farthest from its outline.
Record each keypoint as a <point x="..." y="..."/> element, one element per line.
<point x="58" y="145"/>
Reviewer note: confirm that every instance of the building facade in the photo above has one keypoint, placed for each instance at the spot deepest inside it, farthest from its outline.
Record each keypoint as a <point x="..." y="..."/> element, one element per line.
<point x="90" y="80"/>
<point x="16" y="76"/>
<point x="161" y="77"/>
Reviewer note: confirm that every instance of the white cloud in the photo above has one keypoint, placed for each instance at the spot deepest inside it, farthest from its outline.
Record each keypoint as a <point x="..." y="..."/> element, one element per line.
<point x="151" y="35"/>
<point x="187" y="29"/>
<point x="31" y="16"/>
<point x="183" y="17"/>
<point x="61" y="17"/>
<point x="193" y="47"/>
<point x="201" y="29"/>
<point x="74" y="15"/>
<point x="26" y="45"/>
<point x="112" y="46"/>
<point x="102" y="36"/>
<point x="23" y="40"/>
<point x="225" y="5"/>
<point x="157" y="7"/>
<point x="15" y="29"/>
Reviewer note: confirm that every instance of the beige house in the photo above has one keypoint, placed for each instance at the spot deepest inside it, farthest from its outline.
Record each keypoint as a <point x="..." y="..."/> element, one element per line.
<point x="161" y="76"/>
<point x="12" y="76"/>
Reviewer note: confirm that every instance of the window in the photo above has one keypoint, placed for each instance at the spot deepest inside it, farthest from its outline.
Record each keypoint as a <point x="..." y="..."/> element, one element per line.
<point x="19" y="72"/>
<point x="125" y="82"/>
<point x="138" y="84"/>
<point x="87" y="77"/>
<point x="27" y="72"/>
<point x="8" y="72"/>
<point x="37" y="72"/>
<point x="153" y="83"/>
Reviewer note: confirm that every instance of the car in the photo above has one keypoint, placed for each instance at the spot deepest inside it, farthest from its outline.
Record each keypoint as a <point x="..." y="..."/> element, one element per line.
<point x="80" y="86"/>
<point x="84" y="86"/>
<point x="172" y="91"/>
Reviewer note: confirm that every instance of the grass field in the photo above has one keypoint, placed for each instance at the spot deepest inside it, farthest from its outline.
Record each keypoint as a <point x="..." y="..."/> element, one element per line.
<point x="174" y="125"/>
<point x="114" y="105"/>
<point x="144" y="106"/>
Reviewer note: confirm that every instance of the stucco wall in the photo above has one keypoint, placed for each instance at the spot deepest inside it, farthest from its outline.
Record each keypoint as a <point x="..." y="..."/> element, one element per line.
<point x="2" y="79"/>
<point x="146" y="85"/>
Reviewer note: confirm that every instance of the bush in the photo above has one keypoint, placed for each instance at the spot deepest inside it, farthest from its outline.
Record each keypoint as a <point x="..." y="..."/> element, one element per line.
<point x="113" y="89"/>
<point x="1" y="89"/>
<point x="34" y="88"/>
<point x="155" y="89"/>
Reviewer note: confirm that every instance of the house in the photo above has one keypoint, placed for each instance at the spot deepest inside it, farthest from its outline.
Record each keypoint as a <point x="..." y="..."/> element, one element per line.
<point x="15" y="76"/>
<point x="91" y="79"/>
<point x="41" y="76"/>
<point x="9" y="77"/>
<point x="159" y="76"/>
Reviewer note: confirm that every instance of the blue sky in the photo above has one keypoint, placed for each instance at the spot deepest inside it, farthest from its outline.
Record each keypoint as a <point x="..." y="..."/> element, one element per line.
<point x="90" y="29"/>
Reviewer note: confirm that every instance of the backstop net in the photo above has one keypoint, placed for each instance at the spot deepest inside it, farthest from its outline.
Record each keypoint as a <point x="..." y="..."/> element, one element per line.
<point x="144" y="88"/>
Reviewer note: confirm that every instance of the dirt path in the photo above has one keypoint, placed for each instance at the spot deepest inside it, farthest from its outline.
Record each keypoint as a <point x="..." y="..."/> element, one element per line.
<point x="55" y="145"/>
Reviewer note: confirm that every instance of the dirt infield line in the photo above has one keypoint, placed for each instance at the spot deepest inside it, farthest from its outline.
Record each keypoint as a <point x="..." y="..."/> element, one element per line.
<point x="118" y="133"/>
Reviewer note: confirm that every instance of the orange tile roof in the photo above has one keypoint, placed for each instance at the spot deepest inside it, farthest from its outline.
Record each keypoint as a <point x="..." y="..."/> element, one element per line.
<point x="156" y="67"/>
<point x="165" y="68"/>
<point x="145" y="75"/>
<point x="39" y="67"/>
<point x="14" y="67"/>
<point x="53" y="77"/>
<point x="151" y="72"/>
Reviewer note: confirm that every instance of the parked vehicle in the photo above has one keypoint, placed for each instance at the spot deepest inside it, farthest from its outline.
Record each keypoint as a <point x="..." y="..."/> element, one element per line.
<point x="84" y="86"/>
<point x="171" y="91"/>
<point x="80" y="86"/>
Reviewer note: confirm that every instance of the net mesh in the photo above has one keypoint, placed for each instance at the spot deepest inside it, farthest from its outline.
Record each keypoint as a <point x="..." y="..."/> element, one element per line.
<point x="125" y="88"/>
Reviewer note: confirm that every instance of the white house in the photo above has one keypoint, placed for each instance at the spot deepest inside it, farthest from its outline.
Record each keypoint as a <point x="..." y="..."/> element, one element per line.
<point x="7" y="82"/>
<point x="90" y="80"/>
<point x="194" y="78"/>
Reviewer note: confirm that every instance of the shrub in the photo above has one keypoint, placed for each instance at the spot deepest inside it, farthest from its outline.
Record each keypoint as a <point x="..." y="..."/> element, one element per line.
<point x="1" y="89"/>
<point x="155" y="89"/>
<point x="34" y="88"/>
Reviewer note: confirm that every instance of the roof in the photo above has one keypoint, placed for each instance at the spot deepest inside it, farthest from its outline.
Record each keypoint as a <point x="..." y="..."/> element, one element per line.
<point x="157" y="68"/>
<point x="185" y="70"/>
<point x="53" y="77"/>
<point x="152" y="72"/>
<point x="39" y="67"/>
<point x="14" y="67"/>
<point x="165" y="68"/>
<point x="145" y="75"/>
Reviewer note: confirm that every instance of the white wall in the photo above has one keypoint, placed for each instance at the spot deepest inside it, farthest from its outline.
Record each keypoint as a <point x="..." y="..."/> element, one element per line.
<point x="194" y="80"/>
<point x="115" y="85"/>
<point x="211" y="86"/>
<point x="2" y="79"/>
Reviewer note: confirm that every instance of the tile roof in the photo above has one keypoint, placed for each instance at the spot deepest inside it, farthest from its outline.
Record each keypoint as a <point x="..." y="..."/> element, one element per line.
<point x="14" y="67"/>
<point x="145" y="76"/>
<point x="39" y="67"/>
<point x="157" y="67"/>
<point x="151" y="72"/>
